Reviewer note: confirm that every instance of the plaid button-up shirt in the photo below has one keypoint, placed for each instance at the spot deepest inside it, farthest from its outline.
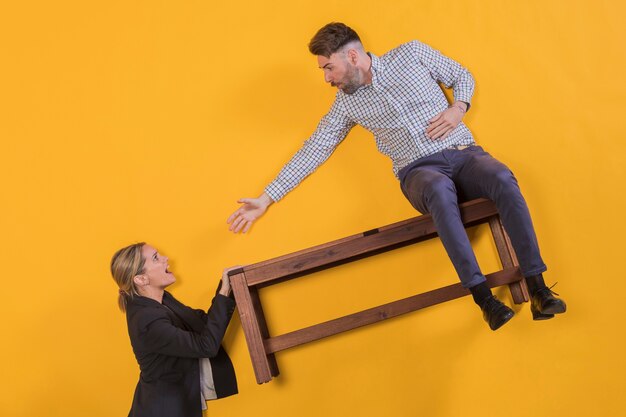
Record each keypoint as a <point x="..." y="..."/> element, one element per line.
<point x="396" y="107"/>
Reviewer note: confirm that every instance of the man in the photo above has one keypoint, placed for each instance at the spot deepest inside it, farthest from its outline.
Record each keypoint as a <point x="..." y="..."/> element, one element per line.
<point x="397" y="97"/>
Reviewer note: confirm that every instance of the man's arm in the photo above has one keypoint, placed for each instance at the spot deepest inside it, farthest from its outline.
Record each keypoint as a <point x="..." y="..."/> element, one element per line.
<point x="331" y="130"/>
<point x="452" y="75"/>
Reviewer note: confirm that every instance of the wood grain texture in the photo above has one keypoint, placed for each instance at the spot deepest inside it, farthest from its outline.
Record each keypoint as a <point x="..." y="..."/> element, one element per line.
<point x="383" y="312"/>
<point x="519" y="292"/>
<point x="357" y="246"/>
<point x="251" y="328"/>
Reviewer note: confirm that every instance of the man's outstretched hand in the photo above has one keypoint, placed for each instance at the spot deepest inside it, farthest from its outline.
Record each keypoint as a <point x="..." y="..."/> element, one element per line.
<point x="251" y="209"/>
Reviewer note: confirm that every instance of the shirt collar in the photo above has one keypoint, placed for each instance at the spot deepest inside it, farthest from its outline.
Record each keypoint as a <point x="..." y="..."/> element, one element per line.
<point x="377" y="69"/>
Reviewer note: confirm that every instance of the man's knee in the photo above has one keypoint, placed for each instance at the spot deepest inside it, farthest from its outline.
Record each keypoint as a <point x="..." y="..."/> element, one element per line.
<point x="505" y="181"/>
<point x="439" y="188"/>
<point x="424" y="189"/>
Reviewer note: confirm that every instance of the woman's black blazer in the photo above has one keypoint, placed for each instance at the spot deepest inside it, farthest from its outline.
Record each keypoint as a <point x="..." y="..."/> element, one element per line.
<point x="167" y="340"/>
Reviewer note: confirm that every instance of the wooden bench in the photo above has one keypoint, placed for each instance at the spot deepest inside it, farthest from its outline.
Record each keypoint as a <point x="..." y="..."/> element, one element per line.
<point x="247" y="280"/>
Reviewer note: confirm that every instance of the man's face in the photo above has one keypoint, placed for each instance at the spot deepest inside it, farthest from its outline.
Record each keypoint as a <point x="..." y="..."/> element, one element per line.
<point x="340" y="72"/>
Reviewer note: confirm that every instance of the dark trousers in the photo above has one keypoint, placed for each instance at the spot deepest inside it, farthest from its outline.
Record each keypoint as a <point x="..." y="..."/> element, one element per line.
<point x="434" y="184"/>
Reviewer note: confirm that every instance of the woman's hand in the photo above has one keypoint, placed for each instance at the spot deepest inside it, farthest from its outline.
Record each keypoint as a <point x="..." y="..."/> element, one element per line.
<point x="225" y="290"/>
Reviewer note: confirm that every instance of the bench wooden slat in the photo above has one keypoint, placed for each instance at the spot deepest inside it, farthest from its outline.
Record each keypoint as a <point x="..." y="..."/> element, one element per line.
<point x="356" y="246"/>
<point x="383" y="312"/>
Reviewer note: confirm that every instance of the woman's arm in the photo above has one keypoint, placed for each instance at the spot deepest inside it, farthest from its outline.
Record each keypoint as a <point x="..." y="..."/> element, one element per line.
<point x="160" y="335"/>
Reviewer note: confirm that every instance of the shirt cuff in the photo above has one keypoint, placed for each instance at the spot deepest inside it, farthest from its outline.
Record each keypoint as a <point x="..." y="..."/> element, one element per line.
<point x="274" y="192"/>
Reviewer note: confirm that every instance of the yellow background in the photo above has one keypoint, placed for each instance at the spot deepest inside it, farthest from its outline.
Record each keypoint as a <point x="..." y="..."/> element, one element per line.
<point x="123" y="121"/>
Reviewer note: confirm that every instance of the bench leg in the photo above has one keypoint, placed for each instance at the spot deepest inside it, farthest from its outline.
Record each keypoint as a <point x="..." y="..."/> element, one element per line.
<point x="518" y="289"/>
<point x="265" y="334"/>
<point x="254" y="327"/>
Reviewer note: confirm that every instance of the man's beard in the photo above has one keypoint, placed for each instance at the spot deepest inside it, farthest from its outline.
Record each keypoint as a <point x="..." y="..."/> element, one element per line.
<point x="352" y="81"/>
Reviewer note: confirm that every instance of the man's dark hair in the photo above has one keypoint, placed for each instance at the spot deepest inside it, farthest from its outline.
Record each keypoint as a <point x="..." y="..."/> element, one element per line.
<point x="332" y="38"/>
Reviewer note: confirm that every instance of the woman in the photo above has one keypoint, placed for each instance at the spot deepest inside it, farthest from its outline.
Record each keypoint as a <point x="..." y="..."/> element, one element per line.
<point x="178" y="348"/>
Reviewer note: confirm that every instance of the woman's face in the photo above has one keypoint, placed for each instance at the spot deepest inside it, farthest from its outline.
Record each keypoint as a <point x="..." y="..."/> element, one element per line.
<point x="156" y="268"/>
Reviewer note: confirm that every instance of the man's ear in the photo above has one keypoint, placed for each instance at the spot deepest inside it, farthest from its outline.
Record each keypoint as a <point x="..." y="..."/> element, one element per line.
<point x="353" y="56"/>
<point x="141" y="280"/>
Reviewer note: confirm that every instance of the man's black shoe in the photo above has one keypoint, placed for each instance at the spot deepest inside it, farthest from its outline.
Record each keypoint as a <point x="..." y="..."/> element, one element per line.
<point x="544" y="305"/>
<point x="496" y="313"/>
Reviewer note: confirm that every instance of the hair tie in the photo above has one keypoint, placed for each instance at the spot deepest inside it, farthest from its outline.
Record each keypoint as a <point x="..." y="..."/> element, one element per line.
<point x="122" y="292"/>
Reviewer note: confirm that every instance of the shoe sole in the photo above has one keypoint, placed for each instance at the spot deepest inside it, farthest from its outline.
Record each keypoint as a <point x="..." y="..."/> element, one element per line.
<point x="548" y="313"/>
<point x="541" y="316"/>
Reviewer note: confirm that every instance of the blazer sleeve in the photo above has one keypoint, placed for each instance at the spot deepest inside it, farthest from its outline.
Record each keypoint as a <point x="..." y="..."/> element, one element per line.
<point x="201" y="313"/>
<point x="160" y="335"/>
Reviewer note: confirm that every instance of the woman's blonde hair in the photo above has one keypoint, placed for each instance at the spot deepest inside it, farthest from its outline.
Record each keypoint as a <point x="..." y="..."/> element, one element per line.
<point x="125" y="264"/>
